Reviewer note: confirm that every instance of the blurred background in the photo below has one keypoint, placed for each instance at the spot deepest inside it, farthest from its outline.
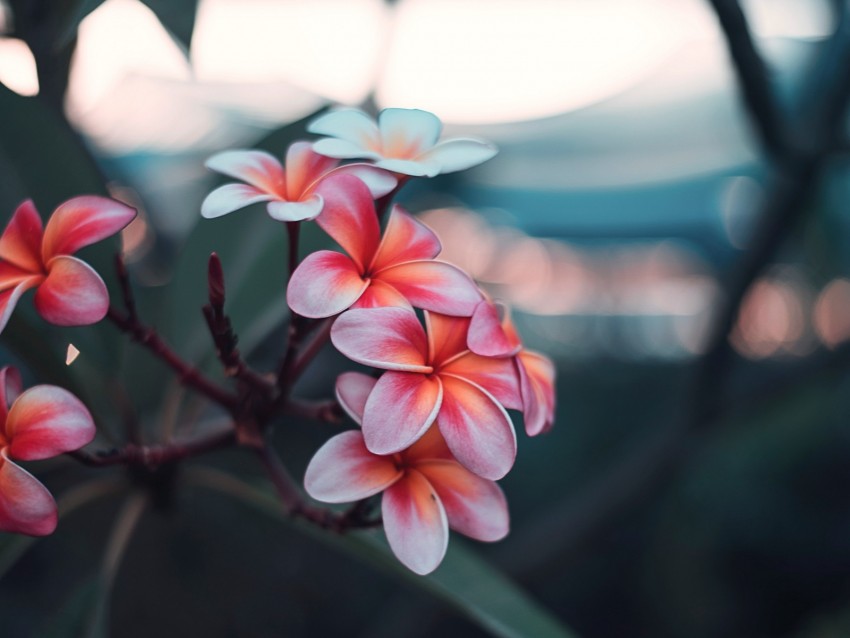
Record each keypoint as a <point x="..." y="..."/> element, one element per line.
<point x="625" y="192"/>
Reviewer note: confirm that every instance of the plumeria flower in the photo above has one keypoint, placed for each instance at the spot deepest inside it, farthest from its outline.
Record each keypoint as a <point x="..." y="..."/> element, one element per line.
<point x="70" y="292"/>
<point x="432" y="377"/>
<point x="403" y="141"/>
<point x="398" y="270"/>
<point x="425" y="490"/>
<point x="291" y="192"/>
<point x="39" y="424"/>
<point x="492" y="334"/>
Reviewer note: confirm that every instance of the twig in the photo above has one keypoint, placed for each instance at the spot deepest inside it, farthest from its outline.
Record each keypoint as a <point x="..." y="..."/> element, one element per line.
<point x="155" y="455"/>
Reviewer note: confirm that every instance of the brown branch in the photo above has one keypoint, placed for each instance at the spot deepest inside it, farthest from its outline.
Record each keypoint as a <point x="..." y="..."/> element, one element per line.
<point x="155" y="455"/>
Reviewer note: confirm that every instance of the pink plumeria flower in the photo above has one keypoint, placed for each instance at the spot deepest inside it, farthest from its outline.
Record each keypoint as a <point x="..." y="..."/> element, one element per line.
<point x="291" y="192"/>
<point x="398" y="270"/>
<point x="39" y="424"/>
<point x="403" y="141"/>
<point x="425" y="490"/>
<point x="492" y="334"/>
<point x="432" y="377"/>
<point x="70" y="292"/>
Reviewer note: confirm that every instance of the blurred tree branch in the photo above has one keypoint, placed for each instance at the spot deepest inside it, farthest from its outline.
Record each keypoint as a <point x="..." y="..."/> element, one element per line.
<point x="800" y="146"/>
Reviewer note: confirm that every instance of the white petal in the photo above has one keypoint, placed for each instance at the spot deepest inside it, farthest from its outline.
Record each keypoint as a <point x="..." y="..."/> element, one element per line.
<point x="352" y="125"/>
<point x="458" y="154"/>
<point x="296" y="211"/>
<point x="230" y="197"/>
<point x="379" y="181"/>
<point x="342" y="149"/>
<point x="412" y="129"/>
<point x="409" y="167"/>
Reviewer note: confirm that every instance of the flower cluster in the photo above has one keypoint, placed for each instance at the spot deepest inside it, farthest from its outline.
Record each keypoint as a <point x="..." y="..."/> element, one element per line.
<point x="435" y="429"/>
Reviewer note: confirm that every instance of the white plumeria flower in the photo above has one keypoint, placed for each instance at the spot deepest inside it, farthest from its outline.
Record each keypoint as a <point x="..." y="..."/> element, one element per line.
<point x="403" y="141"/>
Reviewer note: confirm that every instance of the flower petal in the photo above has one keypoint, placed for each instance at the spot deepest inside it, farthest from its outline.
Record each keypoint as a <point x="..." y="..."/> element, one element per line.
<point x="9" y="298"/>
<point x="352" y="390"/>
<point x="20" y="243"/>
<point x="349" y="217"/>
<point x="405" y="239"/>
<point x="430" y="447"/>
<point x="386" y="338"/>
<point x="324" y="284"/>
<point x="343" y="470"/>
<point x="45" y="421"/>
<point x="487" y="334"/>
<point x="477" y="429"/>
<point x="26" y="507"/>
<point x="352" y="125"/>
<point x="343" y="149"/>
<point x="446" y="337"/>
<point x="257" y="168"/>
<point x="498" y="376"/>
<point x="434" y="285"/>
<point x="11" y="275"/>
<point x="537" y="373"/>
<point x="379" y="181"/>
<point x="399" y="410"/>
<point x="82" y="221"/>
<point x="405" y="133"/>
<point x="381" y="295"/>
<point x="73" y="294"/>
<point x="459" y="154"/>
<point x="296" y="211"/>
<point x="230" y="197"/>
<point x="303" y="168"/>
<point x="414" y="168"/>
<point x="474" y="506"/>
<point x="10" y="388"/>
<point x="415" y="523"/>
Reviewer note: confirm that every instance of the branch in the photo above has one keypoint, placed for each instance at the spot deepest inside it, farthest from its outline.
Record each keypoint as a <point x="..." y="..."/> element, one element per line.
<point x="753" y="76"/>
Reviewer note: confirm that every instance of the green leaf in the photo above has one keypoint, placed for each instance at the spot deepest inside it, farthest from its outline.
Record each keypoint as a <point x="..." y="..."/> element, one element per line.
<point x="474" y="588"/>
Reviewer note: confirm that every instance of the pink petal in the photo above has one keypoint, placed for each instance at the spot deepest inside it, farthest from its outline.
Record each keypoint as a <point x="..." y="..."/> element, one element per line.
<point x="399" y="410"/>
<point x="477" y="429"/>
<point x="10" y="388"/>
<point x="296" y="211"/>
<point x="351" y="125"/>
<point x="413" y="168"/>
<point x="537" y="373"/>
<point x="11" y="275"/>
<point x="405" y="239"/>
<point x="430" y="447"/>
<point x="381" y="295"/>
<point x="386" y="338"/>
<point x="324" y="284"/>
<point x="303" y="168"/>
<point x="343" y="470"/>
<point x="498" y="376"/>
<point x="230" y="197"/>
<point x="73" y="294"/>
<point x="45" y="421"/>
<point x="415" y="523"/>
<point x="82" y="221"/>
<point x="446" y="337"/>
<point x="459" y="154"/>
<point x="9" y="298"/>
<point x="405" y="133"/>
<point x="20" y="243"/>
<point x="257" y="168"/>
<point x="26" y="507"/>
<point x="434" y="285"/>
<point x="352" y="390"/>
<point x="378" y="181"/>
<point x="487" y="335"/>
<point x="349" y="217"/>
<point x="474" y="506"/>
